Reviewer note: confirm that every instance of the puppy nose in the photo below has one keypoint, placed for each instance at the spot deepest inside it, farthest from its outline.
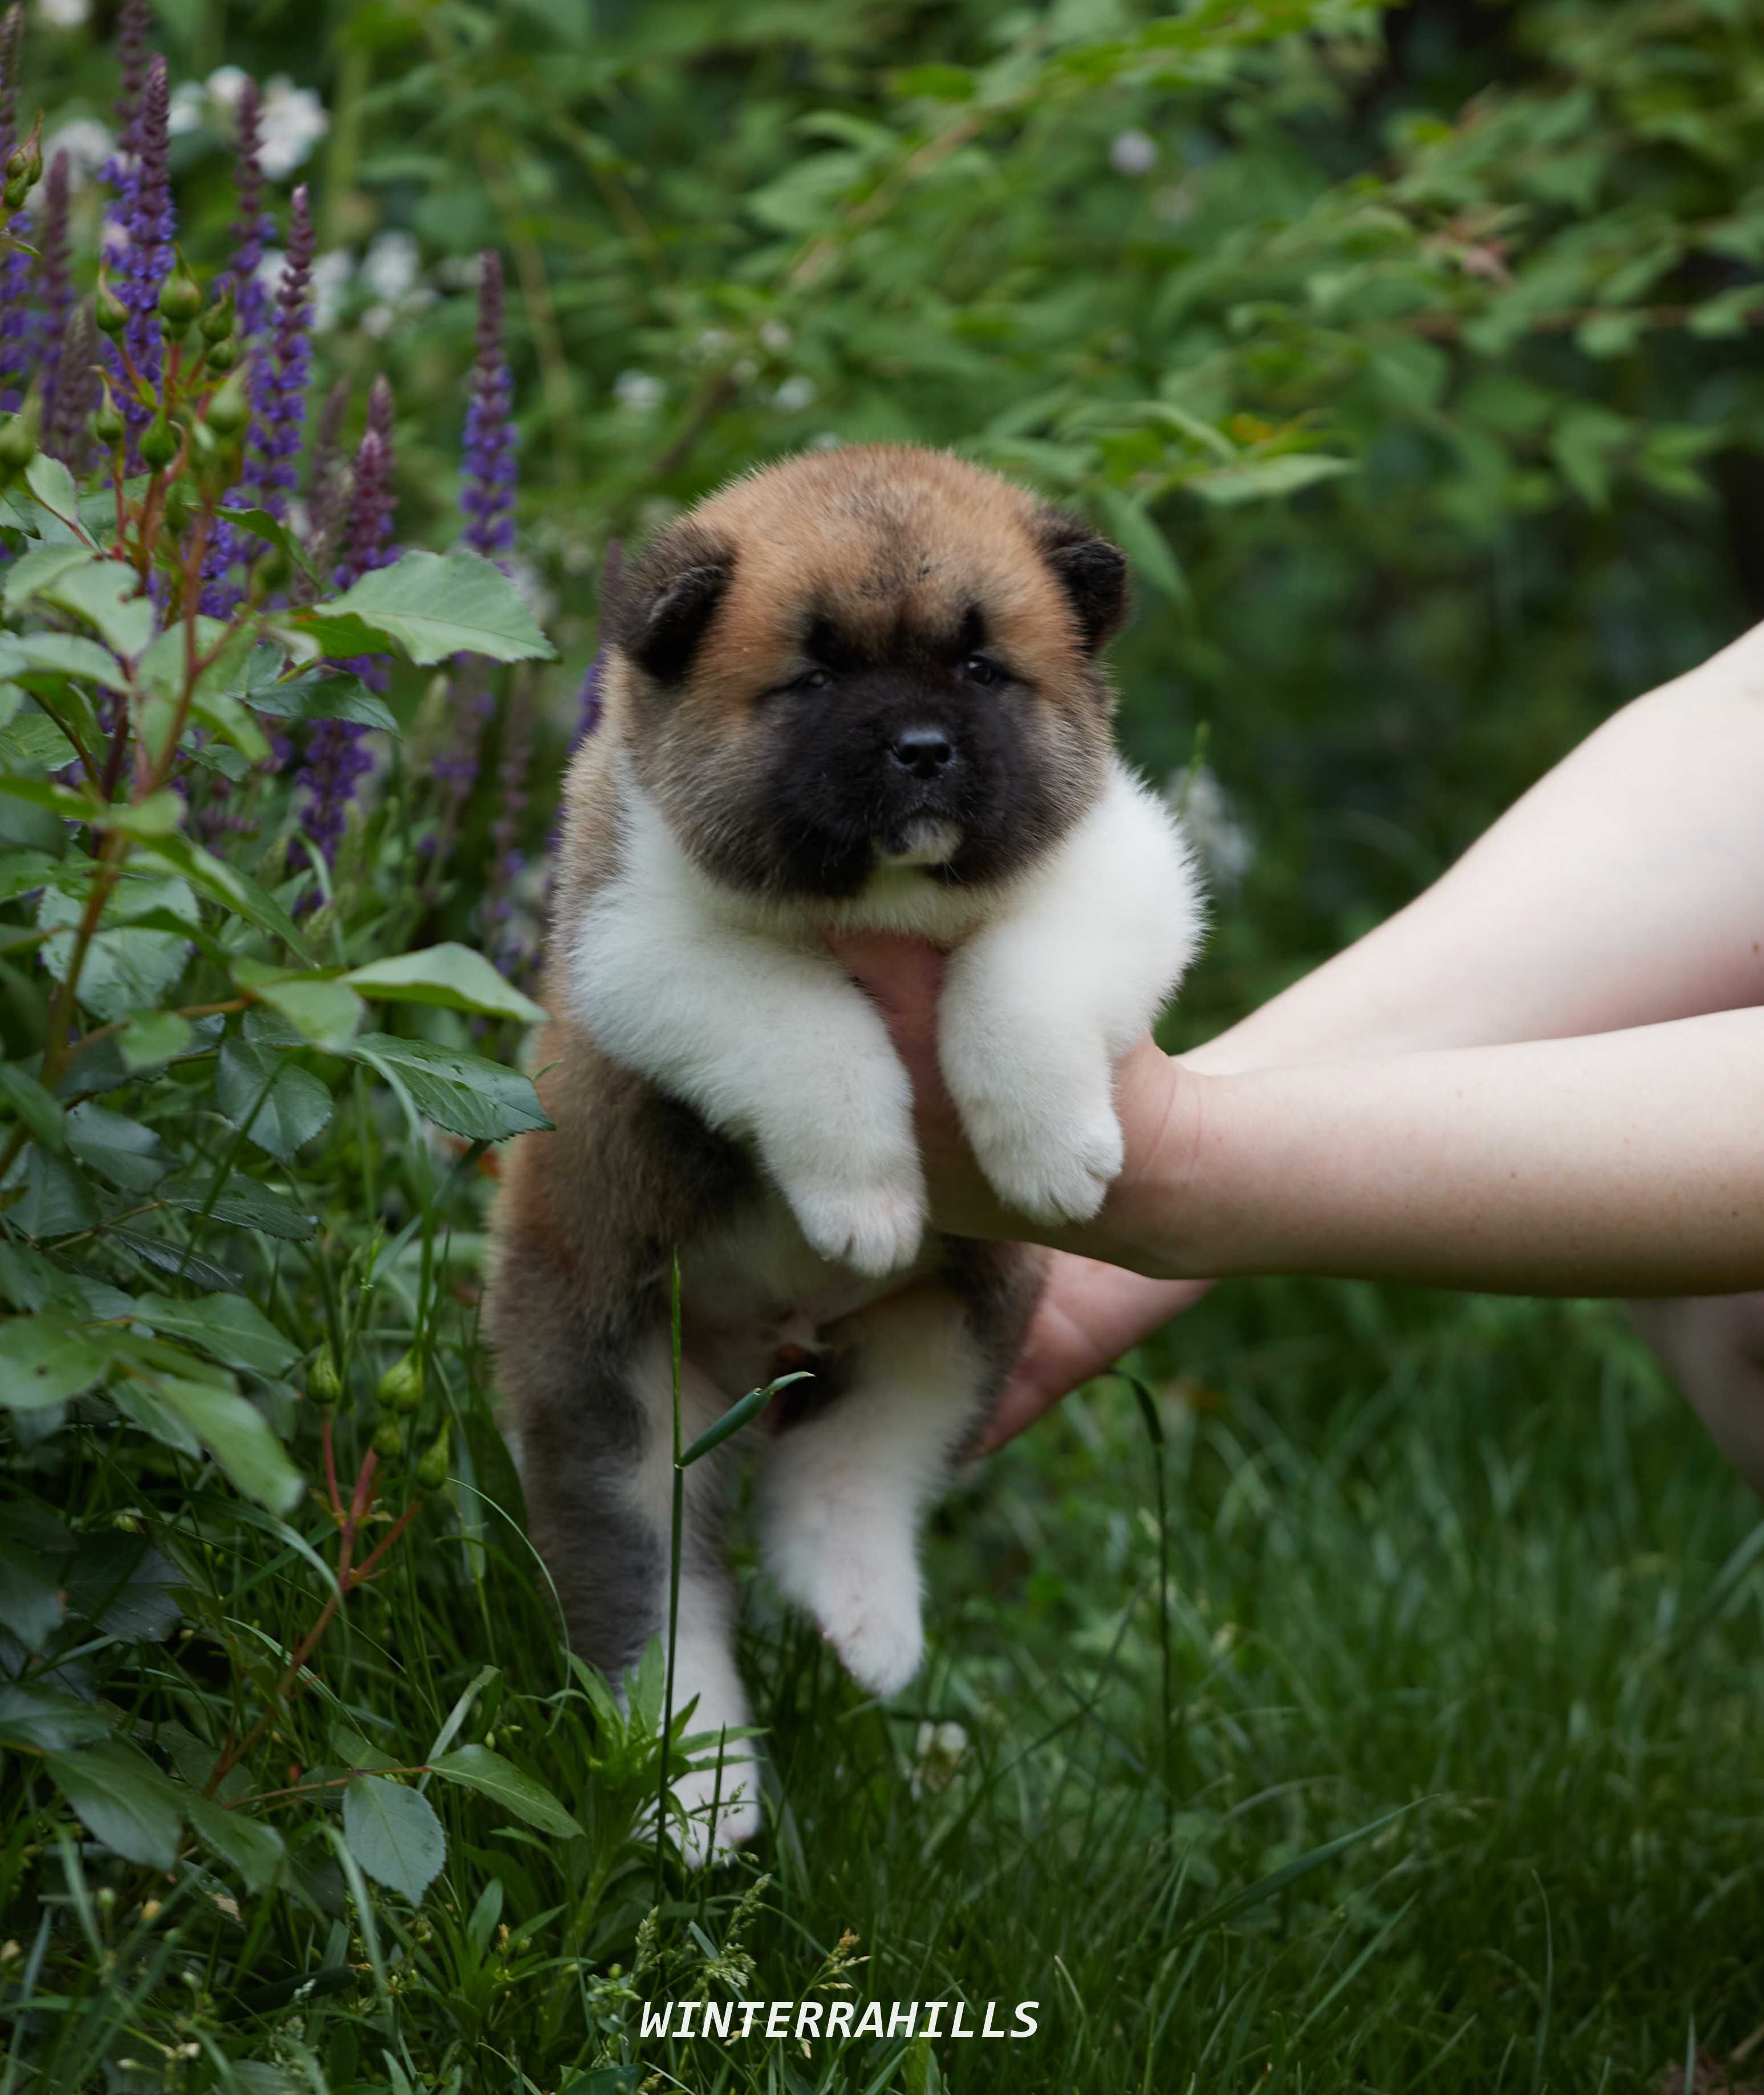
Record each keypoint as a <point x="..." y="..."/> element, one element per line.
<point x="923" y="750"/>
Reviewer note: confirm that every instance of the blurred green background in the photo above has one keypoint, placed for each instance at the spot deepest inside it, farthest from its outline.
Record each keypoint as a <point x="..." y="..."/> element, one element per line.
<point x="1413" y="354"/>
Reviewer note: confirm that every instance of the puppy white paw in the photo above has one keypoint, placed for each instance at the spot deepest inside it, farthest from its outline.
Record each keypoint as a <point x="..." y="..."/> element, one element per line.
<point x="732" y="1800"/>
<point x="874" y="1229"/>
<point x="866" y="1608"/>
<point x="880" y="1643"/>
<point x="1055" y="1167"/>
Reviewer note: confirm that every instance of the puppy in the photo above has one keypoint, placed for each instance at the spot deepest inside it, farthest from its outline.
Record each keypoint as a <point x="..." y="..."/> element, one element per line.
<point x="862" y="689"/>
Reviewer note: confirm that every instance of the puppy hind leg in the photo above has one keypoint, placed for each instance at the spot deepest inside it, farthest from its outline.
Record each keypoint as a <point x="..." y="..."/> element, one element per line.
<point x="598" y="1477"/>
<point x="842" y="1494"/>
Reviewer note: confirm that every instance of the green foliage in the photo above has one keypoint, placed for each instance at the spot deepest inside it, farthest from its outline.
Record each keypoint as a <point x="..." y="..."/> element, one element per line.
<point x="1410" y="356"/>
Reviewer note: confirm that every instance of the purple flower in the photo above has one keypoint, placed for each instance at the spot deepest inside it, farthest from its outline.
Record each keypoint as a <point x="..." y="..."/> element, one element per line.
<point x="145" y="261"/>
<point x="65" y="436"/>
<point x="280" y="374"/>
<point x="327" y="484"/>
<point x="336" y="760"/>
<point x="487" y="496"/>
<point x="19" y="320"/>
<point x="57" y="283"/>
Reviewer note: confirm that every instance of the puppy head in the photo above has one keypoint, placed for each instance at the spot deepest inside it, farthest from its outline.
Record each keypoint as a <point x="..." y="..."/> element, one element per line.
<point x="868" y="658"/>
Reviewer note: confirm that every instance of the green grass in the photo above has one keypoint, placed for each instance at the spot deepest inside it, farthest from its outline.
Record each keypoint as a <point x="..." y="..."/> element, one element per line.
<point x="1445" y="1576"/>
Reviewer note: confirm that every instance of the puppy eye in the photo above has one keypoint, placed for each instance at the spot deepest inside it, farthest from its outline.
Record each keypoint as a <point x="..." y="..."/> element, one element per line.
<point x="812" y="680"/>
<point x="982" y="669"/>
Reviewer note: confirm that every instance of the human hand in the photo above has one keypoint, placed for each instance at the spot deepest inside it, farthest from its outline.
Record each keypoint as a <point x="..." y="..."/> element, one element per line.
<point x="1090" y="1312"/>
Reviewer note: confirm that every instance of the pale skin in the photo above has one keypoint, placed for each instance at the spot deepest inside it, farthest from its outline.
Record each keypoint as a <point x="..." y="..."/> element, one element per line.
<point x="1545" y="1076"/>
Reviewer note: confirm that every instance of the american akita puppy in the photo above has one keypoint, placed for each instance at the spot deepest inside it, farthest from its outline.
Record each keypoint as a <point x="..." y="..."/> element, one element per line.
<point x="859" y="689"/>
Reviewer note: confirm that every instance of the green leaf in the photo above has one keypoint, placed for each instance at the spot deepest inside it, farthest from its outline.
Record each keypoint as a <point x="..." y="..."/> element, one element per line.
<point x="58" y="654"/>
<point x="155" y="817"/>
<point x="468" y="1094"/>
<point x="316" y="695"/>
<point x="392" y="1832"/>
<point x="122" y="1799"/>
<point x="236" y="1433"/>
<point x="39" y="568"/>
<point x="46" y="1359"/>
<point x="476" y="1767"/>
<point x="35" y="742"/>
<point x="106" y="595"/>
<point x="121" y="1585"/>
<point x="280" y="1106"/>
<point x="47" y="1717"/>
<point x="151" y="1038"/>
<point x="126" y="968"/>
<point x="121" y="1150"/>
<point x="52" y="484"/>
<point x="431" y="606"/>
<point x="450" y="974"/>
<point x="1260" y="480"/>
<point x="31" y="1104"/>
<point x="226" y="885"/>
<point x="321" y="1009"/>
<point x="261" y="525"/>
<point x="30" y="1595"/>
<point x="57" y="1200"/>
<point x="255" y="1850"/>
<point x="1144" y="544"/>
<point x="234" y="1331"/>
<point x="244" y="1203"/>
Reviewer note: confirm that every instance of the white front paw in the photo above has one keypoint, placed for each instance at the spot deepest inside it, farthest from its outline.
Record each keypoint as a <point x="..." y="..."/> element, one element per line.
<point x="1042" y="1130"/>
<point x="875" y="1228"/>
<point x="861" y="1586"/>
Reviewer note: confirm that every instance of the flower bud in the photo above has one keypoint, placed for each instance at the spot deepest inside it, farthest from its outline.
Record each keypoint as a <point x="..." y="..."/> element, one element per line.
<point x="17" y="445"/>
<point x="388" y="1438"/>
<point x="223" y="356"/>
<point x="229" y="411"/>
<point x="217" y="322"/>
<point x="325" y="1385"/>
<point x="159" y="442"/>
<point x="401" y="1387"/>
<point x="108" y="426"/>
<point x="175" y="513"/>
<point x="180" y="301"/>
<point x="108" y="311"/>
<point x="431" y="1471"/>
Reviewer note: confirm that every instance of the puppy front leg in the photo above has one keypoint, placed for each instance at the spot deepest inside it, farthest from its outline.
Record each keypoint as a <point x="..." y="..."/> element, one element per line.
<point x="842" y="1494"/>
<point x="1038" y="1006"/>
<point x="772" y="1041"/>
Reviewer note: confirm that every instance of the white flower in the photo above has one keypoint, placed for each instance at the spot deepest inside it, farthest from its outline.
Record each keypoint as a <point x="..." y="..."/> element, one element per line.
<point x="1133" y="153"/>
<point x="390" y="267"/>
<point x="65" y="14"/>
<point x="292" y="123"/>
<point x="775" y="335"/>
<point x="939" y="1751"/>
<point x="826" y="440"/>
<point x="187" y="111"/>
<point x="225" y="85"/>
<point x="639" y="389"/>
<point x="87" y="145"/>
<point x="1222" y="840"/>
<point x="712" y="342"/>
<point x="796" y="394"/>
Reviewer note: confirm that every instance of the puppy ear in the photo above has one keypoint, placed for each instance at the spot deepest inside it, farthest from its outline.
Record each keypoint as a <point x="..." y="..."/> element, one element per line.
<point x="1092" y="573"/>
<point x="667" y="600"/>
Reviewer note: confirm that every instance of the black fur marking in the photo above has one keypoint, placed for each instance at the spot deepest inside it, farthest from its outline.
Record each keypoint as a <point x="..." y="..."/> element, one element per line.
<point x="1093" y="574"/>
<point x="666" y="602"/>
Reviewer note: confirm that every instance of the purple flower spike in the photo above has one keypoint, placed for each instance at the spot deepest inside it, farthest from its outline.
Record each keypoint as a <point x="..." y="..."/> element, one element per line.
<point x="19" y="323"/>
<point x="57" y="283"/>
<point x="337" y="761"/>
<point x="279" y="394"/>
<point x="487" y="496"/>
<point x="147" y="261"/>
<point x="253" y="226"/>
<point x="122" y="171"/>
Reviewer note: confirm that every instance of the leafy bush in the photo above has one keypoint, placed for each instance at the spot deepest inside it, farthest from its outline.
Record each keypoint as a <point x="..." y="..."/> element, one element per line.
<point x="1412" y="360"/>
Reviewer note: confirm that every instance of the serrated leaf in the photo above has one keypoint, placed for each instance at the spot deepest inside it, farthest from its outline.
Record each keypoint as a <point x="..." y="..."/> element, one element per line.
<point x="319" y="1008"/>
<point x="237" y="1435"/>
<point x="41" y="567"/>
<point x="153" y="1037"/>
<point x="120" y="1149"/>
<point x="106" y="595"/>
<point x="59" y="655"/>
<point x="317" y="695"/>
<point x="57" y="1200"/>
<point x="261" y="525"/>
<point x="227" y="886"/>
<point x="468" y="1094"/>
<point x="47" y="1717"/>
<point x="255" y="1850"/>
<point x="242" y="1204"/>
<point x="122" y="1800"/>
<point x="51" y="485"/>
<point x="476" y="1767"/>
<point x="35" y="742"/>
<point x="121" y="1585"/>
<point x="431" y="606"/>
<point x="280" y="1106"/>
<point x="452" y="975"/>
<point x="392" y="1832"/>
<point x="231" y="1328"/>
